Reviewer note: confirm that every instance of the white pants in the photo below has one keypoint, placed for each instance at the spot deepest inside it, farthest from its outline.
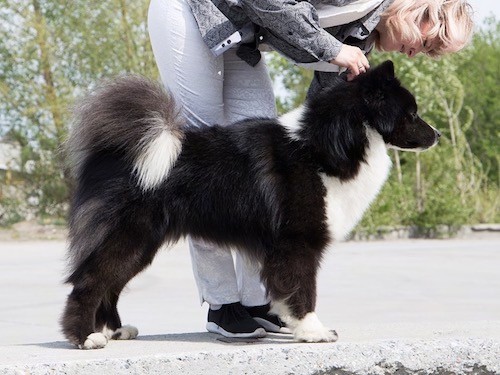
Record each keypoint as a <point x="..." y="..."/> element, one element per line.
<point x="212" y="90"/>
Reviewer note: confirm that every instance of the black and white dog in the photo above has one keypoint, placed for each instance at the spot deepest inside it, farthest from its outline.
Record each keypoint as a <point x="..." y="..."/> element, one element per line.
<point x="280" y="190"/>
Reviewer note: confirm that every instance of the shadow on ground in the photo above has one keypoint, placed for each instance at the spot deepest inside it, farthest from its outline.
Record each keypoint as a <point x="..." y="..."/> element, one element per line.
<point x="194" y="337"/>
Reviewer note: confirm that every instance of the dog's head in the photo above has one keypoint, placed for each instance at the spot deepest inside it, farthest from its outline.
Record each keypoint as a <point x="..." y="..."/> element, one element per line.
<point x="392" y="110"/>
<point x="335" y="120"/>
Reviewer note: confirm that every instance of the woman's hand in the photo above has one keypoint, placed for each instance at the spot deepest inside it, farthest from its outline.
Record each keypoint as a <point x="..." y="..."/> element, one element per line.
<point x="353" y="59"/>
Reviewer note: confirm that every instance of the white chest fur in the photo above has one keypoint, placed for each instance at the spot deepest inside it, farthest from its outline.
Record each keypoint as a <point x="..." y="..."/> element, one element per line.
<point x="347" y="201"/>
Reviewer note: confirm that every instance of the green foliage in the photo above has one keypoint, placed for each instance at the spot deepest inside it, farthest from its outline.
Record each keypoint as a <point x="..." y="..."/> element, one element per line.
<point x="479" y="71"/>
<point x="290" y="80"/>
<point x="52" y="51"/>
<point x="9" y="212"/>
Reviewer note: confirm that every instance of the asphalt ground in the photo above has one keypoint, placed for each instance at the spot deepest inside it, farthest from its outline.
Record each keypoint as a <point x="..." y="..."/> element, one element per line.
<point x="372" y="293"/>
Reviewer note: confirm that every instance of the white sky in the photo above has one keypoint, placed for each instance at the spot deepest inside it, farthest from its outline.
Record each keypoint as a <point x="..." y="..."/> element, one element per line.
<point x="484" y="8"/>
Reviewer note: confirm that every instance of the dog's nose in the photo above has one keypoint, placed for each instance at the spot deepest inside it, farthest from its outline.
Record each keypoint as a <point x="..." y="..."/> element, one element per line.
<point x="438" y="133"/>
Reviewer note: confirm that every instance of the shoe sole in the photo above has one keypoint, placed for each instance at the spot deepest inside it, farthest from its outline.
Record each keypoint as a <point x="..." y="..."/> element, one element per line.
<point x="271" y="327"/>
<point x="214" y="328"/>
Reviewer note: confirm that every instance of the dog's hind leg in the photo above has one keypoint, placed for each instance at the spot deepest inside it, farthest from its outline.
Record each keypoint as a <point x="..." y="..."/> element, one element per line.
<point x="108" y="320"/>
<point x="292" y="288"/>
<point x="78" y="321"/>
<point x="98" y="281"/>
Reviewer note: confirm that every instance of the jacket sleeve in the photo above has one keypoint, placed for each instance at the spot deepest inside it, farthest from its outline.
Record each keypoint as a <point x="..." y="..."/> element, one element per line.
<point x="295" y="22"/>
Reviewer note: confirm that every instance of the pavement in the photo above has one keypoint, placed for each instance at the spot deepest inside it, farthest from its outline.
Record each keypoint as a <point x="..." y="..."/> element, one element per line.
<point x="399" y="307"/>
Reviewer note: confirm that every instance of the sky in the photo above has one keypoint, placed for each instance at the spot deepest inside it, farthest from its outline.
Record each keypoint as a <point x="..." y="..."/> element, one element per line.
<point x="484" y="8"/>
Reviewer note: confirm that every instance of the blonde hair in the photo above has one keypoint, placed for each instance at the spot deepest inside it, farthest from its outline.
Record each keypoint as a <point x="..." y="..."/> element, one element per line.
<point x="451" y="23"/>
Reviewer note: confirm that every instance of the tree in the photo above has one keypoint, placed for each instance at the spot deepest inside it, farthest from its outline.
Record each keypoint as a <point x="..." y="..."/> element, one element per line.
<point x="478" y="68"/>
<point x="50" y="53"/>
<point x="291" y="82"/>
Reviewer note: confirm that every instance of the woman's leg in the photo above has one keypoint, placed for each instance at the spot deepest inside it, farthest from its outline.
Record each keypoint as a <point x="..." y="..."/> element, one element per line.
<point x="196" y="79"/>
<point x="248" y="92"/>
<point x="187" y="67"/>
<point x="194" y="76"/>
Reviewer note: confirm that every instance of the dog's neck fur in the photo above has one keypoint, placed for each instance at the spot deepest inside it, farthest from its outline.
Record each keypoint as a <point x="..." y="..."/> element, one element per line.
<point x="348" y="198"/>
<point x="346" y="201"/>
<point x="336" y="138"/>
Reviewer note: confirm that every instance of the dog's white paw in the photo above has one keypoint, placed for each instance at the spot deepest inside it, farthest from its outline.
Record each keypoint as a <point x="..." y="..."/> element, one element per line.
<point x="95" y="340"/>
<point x="310" y="329"/>
<point x="108" y="332"/>
<point x="125" y="333"/>
<point x="323" y="335"/>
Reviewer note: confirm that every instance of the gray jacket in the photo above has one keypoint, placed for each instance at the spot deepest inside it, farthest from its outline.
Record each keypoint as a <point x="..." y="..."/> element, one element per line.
<point x="289" y="26"/>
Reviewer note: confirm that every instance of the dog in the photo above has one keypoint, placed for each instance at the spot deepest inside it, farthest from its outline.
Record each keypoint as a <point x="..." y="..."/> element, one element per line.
<point x="278" y="190"/>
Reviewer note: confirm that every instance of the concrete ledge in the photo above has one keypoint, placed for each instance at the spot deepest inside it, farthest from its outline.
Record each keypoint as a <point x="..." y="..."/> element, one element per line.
<point x="400" y="307"/>
<point x="477" y="231"/>
<point x="31" y="230"/>
<point x="204" y="353"/>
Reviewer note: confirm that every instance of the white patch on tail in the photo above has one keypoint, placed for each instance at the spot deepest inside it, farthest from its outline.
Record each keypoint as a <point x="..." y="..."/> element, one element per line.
<point x="156" y="158"/>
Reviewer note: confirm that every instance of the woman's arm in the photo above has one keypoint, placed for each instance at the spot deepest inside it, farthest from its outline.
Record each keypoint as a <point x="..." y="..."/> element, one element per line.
<point x="297" y="23"/>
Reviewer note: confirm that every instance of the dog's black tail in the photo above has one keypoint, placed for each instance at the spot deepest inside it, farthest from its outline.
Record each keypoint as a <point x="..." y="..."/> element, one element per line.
<point x="131" y="115"/>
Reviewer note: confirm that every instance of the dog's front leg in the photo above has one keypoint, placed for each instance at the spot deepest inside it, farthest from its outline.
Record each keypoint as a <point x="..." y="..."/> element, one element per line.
<point x="308" y="328"/>
<point x="291" y="285"/>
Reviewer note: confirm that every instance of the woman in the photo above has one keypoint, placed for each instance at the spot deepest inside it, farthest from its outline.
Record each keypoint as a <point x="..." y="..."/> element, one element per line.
<point x="208" y="56"/>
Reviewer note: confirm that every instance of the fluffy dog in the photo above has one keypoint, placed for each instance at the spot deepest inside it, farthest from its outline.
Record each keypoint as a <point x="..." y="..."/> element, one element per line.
<point x="279" y="190"/>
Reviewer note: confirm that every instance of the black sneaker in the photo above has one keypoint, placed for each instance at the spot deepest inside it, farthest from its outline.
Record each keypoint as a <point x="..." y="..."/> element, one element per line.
<point x="232" y="320"/>
<point x="270" y="322"/>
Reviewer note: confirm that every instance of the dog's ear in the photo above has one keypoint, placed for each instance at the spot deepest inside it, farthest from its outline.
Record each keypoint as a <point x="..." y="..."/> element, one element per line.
<point x="339" y="141"/>
<point x="376" y="83"/>
<point x="379" y="77"/>
<point x="334" y="127"/>
<point x="384" y="71"/>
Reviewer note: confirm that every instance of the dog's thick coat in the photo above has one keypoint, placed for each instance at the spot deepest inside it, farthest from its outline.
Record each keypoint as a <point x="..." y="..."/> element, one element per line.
<point x="278" y="190"/>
